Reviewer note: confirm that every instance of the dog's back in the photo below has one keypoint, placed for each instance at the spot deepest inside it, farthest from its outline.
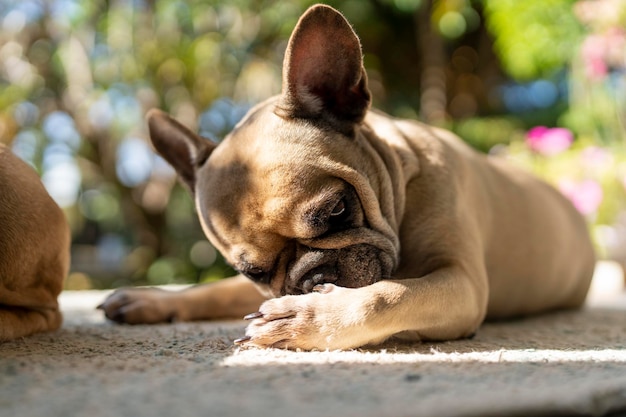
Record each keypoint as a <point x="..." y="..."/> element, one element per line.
<point x="34" y="251"/>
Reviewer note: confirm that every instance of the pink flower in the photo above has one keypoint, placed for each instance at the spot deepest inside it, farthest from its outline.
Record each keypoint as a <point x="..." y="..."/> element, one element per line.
<point x="549" y="141"/>
<point x="600" y="52"/>
<point x="585" y="195"/>
<point x="593" y="52"/>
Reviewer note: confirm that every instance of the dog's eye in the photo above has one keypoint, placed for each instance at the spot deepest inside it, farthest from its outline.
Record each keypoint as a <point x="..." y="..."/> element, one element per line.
<point x="340" y="216"/>
<point x="339" y="209"/>
<point x="331" y="219"/>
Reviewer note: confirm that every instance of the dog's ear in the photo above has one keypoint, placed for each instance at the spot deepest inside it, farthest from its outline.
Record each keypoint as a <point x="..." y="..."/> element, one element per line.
<point x="323" y="74"/>
<point x="182" y="148"/>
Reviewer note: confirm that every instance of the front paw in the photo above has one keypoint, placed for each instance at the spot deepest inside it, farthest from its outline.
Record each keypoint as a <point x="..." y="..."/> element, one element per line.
<point x="139" y="306"/>
<point x="330" y="318"/>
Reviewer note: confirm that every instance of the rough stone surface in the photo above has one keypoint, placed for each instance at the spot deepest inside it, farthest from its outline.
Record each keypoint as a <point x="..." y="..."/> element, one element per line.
<point x="565" y="363"/>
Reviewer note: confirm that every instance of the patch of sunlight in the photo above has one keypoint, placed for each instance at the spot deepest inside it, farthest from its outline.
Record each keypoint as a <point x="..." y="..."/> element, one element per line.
<point x="255" y="357"/>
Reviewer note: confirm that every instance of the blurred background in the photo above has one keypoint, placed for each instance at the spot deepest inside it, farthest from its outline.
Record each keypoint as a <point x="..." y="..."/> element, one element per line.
<point x="541" y="82"/>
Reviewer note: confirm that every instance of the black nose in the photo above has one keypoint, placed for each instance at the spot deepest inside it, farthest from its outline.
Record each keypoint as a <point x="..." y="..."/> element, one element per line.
<point x="257" y="275"/>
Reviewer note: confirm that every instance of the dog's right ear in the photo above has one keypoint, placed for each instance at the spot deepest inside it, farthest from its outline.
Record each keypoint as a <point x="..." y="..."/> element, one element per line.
<point x="182" y="148"/>
<point x="323" y="74"/>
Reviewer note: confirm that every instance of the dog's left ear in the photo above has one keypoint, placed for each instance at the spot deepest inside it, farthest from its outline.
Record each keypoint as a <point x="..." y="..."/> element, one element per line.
<point x="323" y="74"/>
<point x="182" y="148"/>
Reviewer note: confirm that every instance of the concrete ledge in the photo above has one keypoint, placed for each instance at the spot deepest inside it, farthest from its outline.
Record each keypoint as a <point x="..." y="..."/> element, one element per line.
<point x="563" y="363"/>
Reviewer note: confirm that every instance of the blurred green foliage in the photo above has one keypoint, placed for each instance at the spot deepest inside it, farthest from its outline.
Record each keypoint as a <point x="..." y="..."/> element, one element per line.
<point x="534" y="39"/>
<point x="77" y="77"/>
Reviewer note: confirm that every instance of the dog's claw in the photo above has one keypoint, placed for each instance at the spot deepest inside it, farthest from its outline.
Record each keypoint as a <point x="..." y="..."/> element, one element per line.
<point x="242" y="340"/>
<point x="100" y="306"/>
<point x="253" y="316"/>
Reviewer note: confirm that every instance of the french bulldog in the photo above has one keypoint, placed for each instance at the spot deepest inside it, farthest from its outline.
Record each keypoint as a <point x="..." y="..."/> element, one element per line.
<point x="349" y="227"/>
<point x="34" y="251"/>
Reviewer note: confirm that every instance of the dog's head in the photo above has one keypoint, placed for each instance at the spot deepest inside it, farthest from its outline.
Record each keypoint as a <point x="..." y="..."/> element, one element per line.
<point x="296" y="195"/>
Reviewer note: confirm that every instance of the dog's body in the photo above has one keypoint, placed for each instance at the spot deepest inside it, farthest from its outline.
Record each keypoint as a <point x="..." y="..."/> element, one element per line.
<point x="34" y="251"/>
<point x="366" y="226"/>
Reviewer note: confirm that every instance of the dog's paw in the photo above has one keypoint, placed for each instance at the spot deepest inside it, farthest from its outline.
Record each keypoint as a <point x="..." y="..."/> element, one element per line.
<point x="139" y="306"/>
<point x="329" y="318"/>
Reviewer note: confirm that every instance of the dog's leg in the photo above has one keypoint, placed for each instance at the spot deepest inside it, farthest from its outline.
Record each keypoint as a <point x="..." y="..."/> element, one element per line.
<point x="446" y="304"/>
<point x="229" y="298"/>
<point x="30" y="306"/>
<point x="19" y="322"/>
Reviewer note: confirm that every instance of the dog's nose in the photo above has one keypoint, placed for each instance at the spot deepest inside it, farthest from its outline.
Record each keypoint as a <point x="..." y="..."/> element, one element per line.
<point x="257" y="275"/>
